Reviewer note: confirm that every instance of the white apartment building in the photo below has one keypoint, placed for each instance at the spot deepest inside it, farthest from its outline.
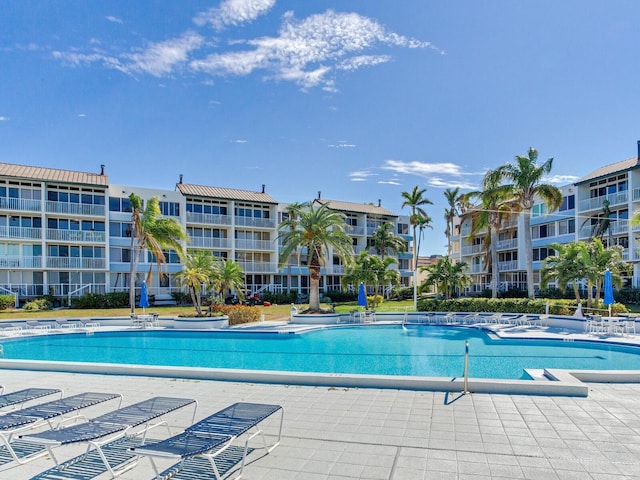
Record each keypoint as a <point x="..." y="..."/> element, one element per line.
<point x="67" y="233"/>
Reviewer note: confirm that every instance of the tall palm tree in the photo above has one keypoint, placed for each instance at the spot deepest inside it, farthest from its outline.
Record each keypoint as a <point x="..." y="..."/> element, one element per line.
<point x="228" y="276"/>
<point x="318" y="230"/>
<point x="197" y="272"/>
<point x="525" y="177"/>
<point x="601" y="223"/>
<point x="150" y="231"/>
<point x="385" y="239"/>
<point x="293" y="210"/>
<point x="493" y="211"/>
<point x="415" y="200"/>
<point x="453" y="197"/>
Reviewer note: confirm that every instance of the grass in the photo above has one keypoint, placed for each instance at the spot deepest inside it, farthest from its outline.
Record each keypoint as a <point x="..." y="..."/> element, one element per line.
<point x="273" y="312"/>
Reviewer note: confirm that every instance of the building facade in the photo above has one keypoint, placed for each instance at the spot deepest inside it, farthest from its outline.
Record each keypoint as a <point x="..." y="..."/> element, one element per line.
<point x="65" y="233"/>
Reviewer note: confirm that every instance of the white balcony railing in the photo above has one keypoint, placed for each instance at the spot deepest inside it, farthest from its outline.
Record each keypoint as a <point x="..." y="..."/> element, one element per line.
<point x="28" y="233"/>
<point x="254" y="222"/>
<point x="242" y="244"/>
<point x="209" y="242"/>
<point x="75" y="235"/>
<point x="21" y="204"/>
<point x="505" y="266"/>
<point x="75" y="208"/>
<point x="19" y="261"/>
<point x="595" y="203"/>
<point x="208" y="218"/>
<point x="258" y="267"/>
<point x="76" y="263"/>
<point x="75" y="289"/>
<point x="354" y="230"/>
<point x="507" y="244"/>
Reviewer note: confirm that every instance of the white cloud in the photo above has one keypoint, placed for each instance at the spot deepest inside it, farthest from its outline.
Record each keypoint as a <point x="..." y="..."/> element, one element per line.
<point x="356" y="179"/>
<point x="561" y="179"/>
<point x="4" y="119"/>
<point x="305" y="49"/>
<point x="437" y="182"/>
<point x="113" y="19"/>
<point x="388" y="182"/>
<point x="422" y="168"/>
<point x="342" y="144"/>
<point x="82" y="115"/>
<point x="239" y="141"/>
<point x="233" y="12"/>
<point x="359" y="175"/>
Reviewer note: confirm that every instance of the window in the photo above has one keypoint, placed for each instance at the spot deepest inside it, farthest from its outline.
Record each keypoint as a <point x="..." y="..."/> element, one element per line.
<point x="119" y="229"/>
<point x="568" y="203"/>
<point x="539" y="209"/>
<point x="540" y="254"/>
<point x="117" y="204"/>
<point x="566" y="226"/>
<point x="543" y="231"/>
<point x="170" y="209"/>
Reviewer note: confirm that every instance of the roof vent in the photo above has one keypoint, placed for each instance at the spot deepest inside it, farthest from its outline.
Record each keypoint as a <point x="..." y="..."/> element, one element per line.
<point x="379" y="202"/>
<point x="319" y="194"/>
<point x="263" y="187"/>
<point x="102" y="167"/>
<point x="180" y="181"/>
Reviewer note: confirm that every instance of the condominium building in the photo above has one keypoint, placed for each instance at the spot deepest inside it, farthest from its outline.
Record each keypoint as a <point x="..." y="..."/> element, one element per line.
<point x="611" y="192"/>
<point x="68" y="233"/>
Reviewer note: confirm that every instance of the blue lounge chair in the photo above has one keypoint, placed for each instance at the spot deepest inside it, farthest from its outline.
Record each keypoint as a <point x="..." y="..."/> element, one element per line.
<point x="19" y="398"/>
<point x="212" y="436"/>
<point x="112" y="425"/>
<point x="16" y="421"/>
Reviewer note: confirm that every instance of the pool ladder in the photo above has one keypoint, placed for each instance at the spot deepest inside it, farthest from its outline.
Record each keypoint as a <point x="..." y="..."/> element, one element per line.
<point x="466" y="367"/>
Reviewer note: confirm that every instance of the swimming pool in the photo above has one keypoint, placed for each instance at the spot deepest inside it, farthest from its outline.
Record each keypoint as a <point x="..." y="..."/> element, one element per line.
<point x="377" y="350"/>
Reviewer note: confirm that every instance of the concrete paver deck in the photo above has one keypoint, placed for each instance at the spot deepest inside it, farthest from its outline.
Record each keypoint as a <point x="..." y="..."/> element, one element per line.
<point x="370" y="434"/>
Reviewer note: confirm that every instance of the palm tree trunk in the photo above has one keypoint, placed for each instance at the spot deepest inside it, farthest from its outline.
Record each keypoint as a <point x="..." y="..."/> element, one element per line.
<point x="314" y="288"/>
<point x="495" y="269"/>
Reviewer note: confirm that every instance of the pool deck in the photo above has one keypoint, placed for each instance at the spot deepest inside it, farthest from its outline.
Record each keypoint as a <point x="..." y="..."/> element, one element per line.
<point x="374" y="434"/>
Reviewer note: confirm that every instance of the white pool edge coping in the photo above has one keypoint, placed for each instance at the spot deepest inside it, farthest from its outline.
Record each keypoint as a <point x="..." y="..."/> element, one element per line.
<point x="561" y="382"/>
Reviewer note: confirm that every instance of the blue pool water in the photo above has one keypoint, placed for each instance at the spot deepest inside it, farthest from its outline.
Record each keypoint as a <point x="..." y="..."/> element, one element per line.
<point x="378" y="350"/>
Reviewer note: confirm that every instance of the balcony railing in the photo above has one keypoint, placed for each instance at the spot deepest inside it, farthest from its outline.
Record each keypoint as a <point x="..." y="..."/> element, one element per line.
<point x="75" y="235"/>
<point x="471" y="249"/>
<point x="505" y="266"/>
<point x="22" y="289"/>
<point x="75" y="289"/>
<point x="21" y="204"/>
<point x="595" y="203"/>
<point x="76" y="263"/>
<point x="242" y="244"/>
<point x="507" y="244"/>
<point x="209" y="242"/>
<point x="208" y="218"/>
<point x="255" y="222"/>
<point x="258" y="267"/>
<point x="27" y="233"/>
<point x="477" y="268"/>
<point x="19" y="261"/>
<point x="75" y="208"/>
<point x="354" y="230"/>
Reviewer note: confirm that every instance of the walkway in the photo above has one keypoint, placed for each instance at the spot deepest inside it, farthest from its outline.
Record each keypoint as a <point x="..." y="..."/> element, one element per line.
<point x="343" y="434"/>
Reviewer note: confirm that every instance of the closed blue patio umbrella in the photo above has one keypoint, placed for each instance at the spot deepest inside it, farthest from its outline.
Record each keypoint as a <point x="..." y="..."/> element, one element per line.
<point x="608" y="290"/>
<point x="362" y="296"/>
<point x="144" y="296"/>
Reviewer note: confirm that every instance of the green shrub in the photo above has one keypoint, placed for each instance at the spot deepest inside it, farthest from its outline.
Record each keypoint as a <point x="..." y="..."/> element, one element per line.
<point x="281" y="298"/>
<point x="239" y="314"/>
<point x="7" y="301"/>
<point x="38" y="304"/>
<point x="504" y="305"/>
<point x="101" y="300"/>
<point x="378" y="300"/>
<point x="402" y="293"/>
<point x="181" y="298"/>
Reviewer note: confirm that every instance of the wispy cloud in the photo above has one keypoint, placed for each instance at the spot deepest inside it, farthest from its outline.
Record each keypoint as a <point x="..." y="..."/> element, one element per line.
<point x="239" y="141"/>
<point x="389" y="182"/>
<point x="4" y="119"/>
<point x="561" y="179"/>
<point x="422" y="169"/>
<point x="438" y="182"/>
<point x="342" y="144"/>
<point x="233" y="12"/>
<point x="308" y="52"/>
<point x="361" y="175"/>
<point x="113" y="19"/>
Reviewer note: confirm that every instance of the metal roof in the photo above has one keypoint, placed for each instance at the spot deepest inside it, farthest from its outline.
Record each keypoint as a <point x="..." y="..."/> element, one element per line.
<point x="611" y="169"/>
<point x="52" y="175"/>
<point x="356" y="207"/>
<point x="225" y="193"/>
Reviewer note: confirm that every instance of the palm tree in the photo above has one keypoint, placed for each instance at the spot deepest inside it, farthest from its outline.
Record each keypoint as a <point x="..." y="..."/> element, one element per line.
<point x="318" y="230"/>
<point x="493" y="211"/>
<point x="383" y="274"/>
<point x="447" y="276"/>
<point x="565" y="267"/>
<point x="415" y="200"/>
<point x="384" y="238"/>
<point x="453" y="197"/>
<point x="197" y="272"/>
<point x="601" y="223"/>
<point x="526" y="177"/>
<point x="292" y="212"/>
<point x="596" y="259"/>
<point x="228" y="276"/>
<point x="150" y="231"/>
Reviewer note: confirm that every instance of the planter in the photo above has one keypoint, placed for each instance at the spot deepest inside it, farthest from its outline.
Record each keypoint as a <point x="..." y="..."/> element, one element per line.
<point x="316" y="319"/>
<point x="200" y="323"/>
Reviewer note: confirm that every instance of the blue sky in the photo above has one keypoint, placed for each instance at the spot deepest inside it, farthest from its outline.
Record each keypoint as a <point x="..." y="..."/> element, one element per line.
<point x="358" y="99"/>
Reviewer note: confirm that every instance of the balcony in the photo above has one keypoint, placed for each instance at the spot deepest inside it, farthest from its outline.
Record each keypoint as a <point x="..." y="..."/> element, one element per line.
<point x="20" y="204"/>
<point x="477" y="268"/>
<point x="354" y="230"/>
<point x="19" y="261"/>
<point x="258" y="267"/>
<point x="75" y="289"/>
<point x="254" y="222"/>
<point x="506" y="266"/>
<point x="595" y="203"/>
<point x="208" y="218"/>
<point x="210" y="242"/>
<point x="75" y="236"/>
<point x="254" y="244"/>
<point x="74" y="263"/>
<point x="472" y="249"/>
<point x="80" y="209"/>
<point x="21" y="233"/>
<point x="509" y="244"/>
